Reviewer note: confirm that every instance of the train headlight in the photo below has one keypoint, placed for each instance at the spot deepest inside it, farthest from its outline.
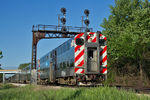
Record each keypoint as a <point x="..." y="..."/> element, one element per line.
<point x="102" y="42"/>
<point x="91" y="35"/>
<point x="79" y="41"/>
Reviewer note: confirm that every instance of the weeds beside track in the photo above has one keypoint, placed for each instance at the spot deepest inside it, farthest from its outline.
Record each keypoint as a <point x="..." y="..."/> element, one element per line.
<point x="31" y="92"/>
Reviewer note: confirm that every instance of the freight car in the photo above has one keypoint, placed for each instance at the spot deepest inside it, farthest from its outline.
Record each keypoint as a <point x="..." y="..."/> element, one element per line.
<point x="82" y="59"/>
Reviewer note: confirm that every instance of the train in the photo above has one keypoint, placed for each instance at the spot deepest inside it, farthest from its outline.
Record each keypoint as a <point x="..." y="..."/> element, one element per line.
<point x="79" y="60"/>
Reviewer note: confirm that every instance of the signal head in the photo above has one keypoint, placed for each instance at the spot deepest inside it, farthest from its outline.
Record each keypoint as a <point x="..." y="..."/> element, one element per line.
<point x="86" y="12"/>
<point x="63" y="20"/>
<point x="87" y="22"/>
<point x="87" y="30"/>
<point x="64" y="29"/>
<point x="63" y="10"/>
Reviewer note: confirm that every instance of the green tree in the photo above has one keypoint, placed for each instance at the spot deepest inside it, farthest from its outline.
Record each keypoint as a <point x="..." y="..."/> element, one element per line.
<point x="1" y="75"/>
<point x="1" y="55"/>
<point x="21" y="66"/>
<point x="128" y="32"/>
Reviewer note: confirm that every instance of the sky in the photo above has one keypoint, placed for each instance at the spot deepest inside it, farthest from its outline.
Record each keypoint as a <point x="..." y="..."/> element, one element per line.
<point x="18" y="16"/>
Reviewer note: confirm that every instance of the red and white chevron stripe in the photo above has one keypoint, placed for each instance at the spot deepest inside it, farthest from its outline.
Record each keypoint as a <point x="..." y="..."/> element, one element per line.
<point x="103" y="56"/>
<point x="91" y="37"/>
<point x="79" y="70"/>
<point x="79" y="52"/>
<point x="102" y="37"/>
<point x="79" y="55"/>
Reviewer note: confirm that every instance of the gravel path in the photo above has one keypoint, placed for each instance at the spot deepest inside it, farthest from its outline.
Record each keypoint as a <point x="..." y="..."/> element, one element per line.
<point x="18" y="84"/>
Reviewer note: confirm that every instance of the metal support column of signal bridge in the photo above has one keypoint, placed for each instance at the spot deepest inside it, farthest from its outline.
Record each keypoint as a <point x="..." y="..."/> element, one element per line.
<point x="4" y="72"/>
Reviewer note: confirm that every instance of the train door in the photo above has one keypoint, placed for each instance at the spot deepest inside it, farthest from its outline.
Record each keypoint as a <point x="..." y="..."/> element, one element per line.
<point x="53" y="66"/>
<point x="51" y="72"/>
<point x="92" y="60"/>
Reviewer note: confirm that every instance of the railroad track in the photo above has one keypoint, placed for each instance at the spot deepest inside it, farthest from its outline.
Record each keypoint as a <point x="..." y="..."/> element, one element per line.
<point x="119" y="87"/>
<point x="135" y="89"/>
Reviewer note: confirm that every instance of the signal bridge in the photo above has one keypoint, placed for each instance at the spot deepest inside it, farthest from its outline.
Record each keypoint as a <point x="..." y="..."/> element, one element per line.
<point x="8" y="72"/>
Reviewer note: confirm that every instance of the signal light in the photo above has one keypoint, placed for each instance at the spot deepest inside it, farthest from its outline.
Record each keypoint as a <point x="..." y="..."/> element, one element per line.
<point x="63" y="10"/>
<point x="87" y="30"/>
<point x="86" y="12"/>
<point x="63" y="20"/>
<point x="63" y="29"/>
<point x="87" y="22"/>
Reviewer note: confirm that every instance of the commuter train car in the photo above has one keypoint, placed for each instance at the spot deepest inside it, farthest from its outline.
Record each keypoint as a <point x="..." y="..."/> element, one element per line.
<point x="24" y="76"/>
<point x="58" y="64"/>
<point x="82" y="59"/>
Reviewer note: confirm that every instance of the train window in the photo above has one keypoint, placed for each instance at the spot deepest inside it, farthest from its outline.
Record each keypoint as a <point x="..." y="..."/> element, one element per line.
<point x="65" y="47"/>
<point x="68" y="46"/>
<point x="67" y="63"/>
<point x="79" y="41"/>
<point x="62" y="49"/>
<point x="58" y="65"/>
<point x="71" y="62"/>
<point x="64" y="64"/>
<point x="90" y="54"/>
<point x="102" y="42"/>
<point x="59" y="51"/>
<point x="51" y="55"/>
<point x="61" y="65"/>
<point x="46" y="57"/>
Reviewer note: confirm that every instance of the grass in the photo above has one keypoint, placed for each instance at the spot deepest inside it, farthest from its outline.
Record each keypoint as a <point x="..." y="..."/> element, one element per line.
<point x="6" y="86"/>
<point x="30" y="92"/>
